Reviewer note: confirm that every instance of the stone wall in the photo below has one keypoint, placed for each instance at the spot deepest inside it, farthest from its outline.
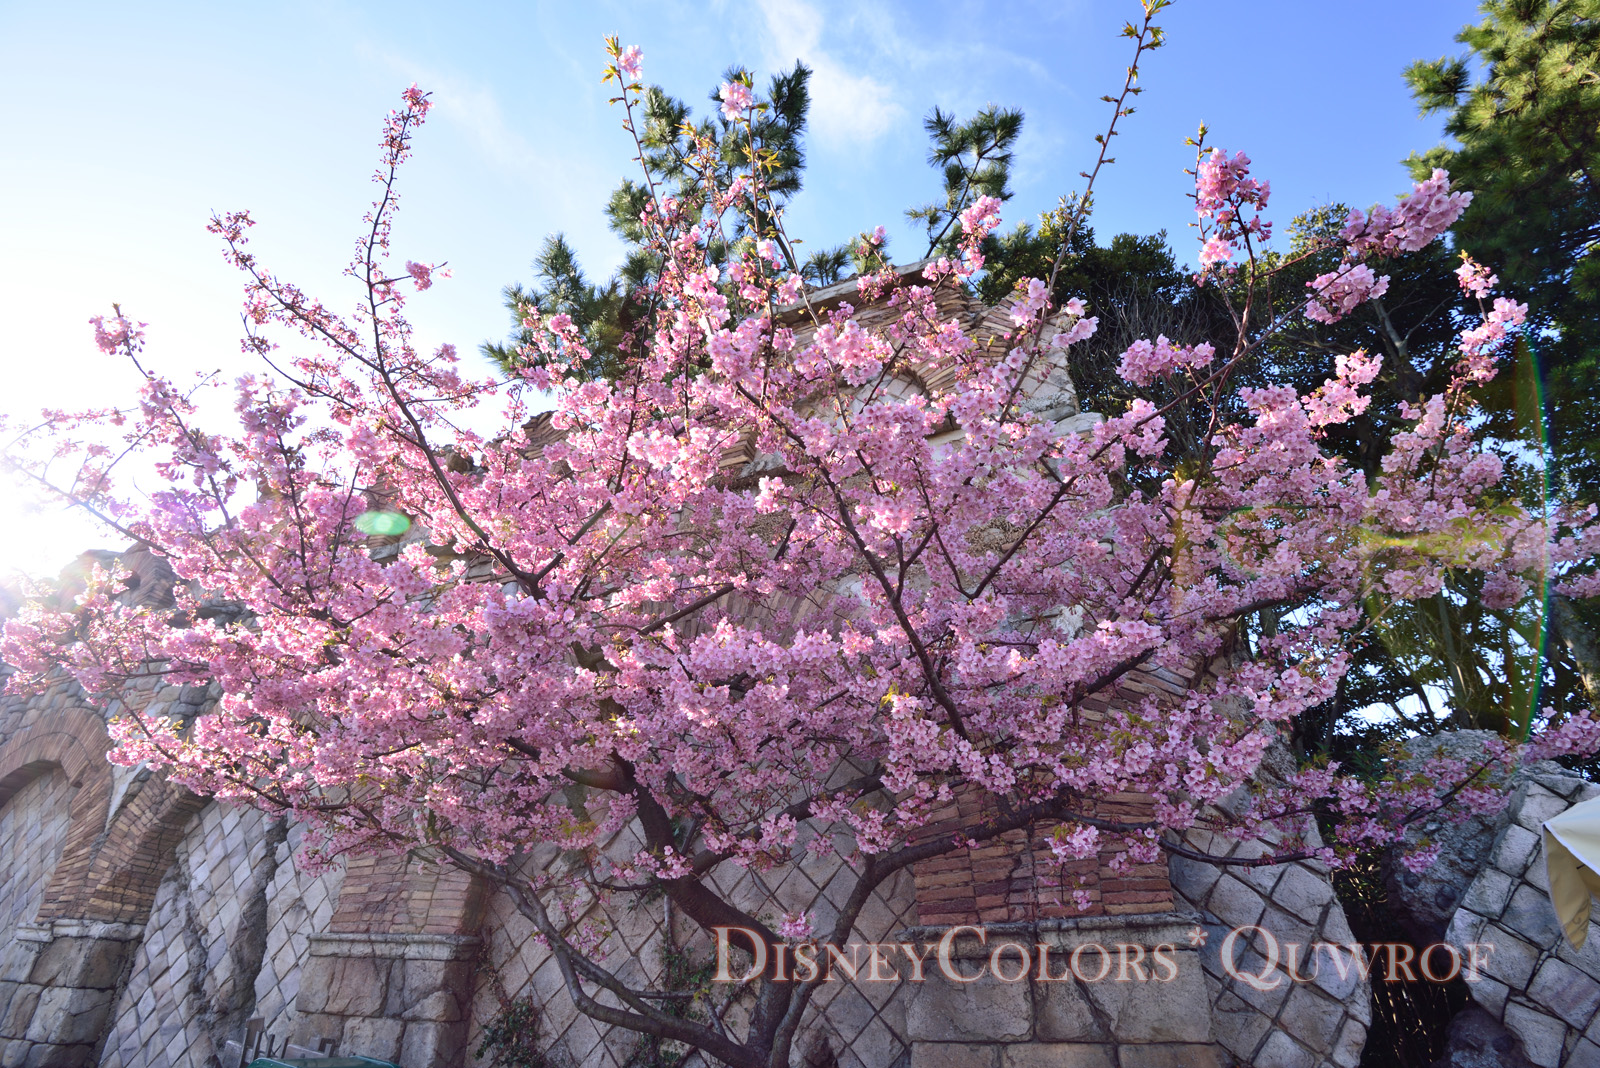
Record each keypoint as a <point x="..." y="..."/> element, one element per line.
<point x="1292" y="1025"/>
<point x="225" y="941"/>
<point x="1136" y="1015"/>
<point x="1542" y="990"/>
<point x="859" y="1025"/>
<point x="33" y="828"/>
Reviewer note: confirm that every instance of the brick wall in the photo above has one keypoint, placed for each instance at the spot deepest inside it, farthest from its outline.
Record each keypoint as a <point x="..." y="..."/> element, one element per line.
<point x="1017" y="878"/>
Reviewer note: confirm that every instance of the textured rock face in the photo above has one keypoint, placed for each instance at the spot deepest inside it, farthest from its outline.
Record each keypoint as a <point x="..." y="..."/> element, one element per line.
<point x="1427" y="900"/>
<point x="33" y="828"/>
<point x="1319" y="1022"/>
<point x="1095" y="1009"/>
<point x="226" y="940"/>
<point x="1545" y="993"/>
<point x="1478" y="1040"/>
<point x="861" y="1024"/>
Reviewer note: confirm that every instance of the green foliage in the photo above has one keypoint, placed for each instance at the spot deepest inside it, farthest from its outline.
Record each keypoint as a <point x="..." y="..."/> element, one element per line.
<point x="683" y="973"/>
<point x="511" y="1039"/>
<point x="600" y="312"/>
<point x="1529" y="136"/>
<point x="1528" y="131"/>
<point x="608" y="314"/>
<point x="974" y="158"/>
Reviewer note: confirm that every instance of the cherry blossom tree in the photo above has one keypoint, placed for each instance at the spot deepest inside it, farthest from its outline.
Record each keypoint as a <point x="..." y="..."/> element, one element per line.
<point x="602" y="622"/>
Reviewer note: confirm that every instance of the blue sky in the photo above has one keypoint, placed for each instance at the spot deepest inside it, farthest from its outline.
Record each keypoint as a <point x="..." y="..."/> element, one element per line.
<point x="127" y="125"/>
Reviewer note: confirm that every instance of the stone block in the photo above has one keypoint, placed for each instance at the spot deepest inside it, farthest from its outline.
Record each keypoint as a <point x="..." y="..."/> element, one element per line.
<point x="440" y="1006"/>
<point x="1566" y="992"/>
<point x="1165" y="1055"/>
<point x="981" y="1011"/>
<point x="1351" y="1042"/>
<point x="49" y="1056"/>
<point x="1511" y="961"/>
<point x="1311" y="1018"/>
<point x="68" y="1015"/>
<point x="1235" y="903"/>
<point x="24" y="999"/>
<point x="316" y="974"/>
<point x="1518" y="846"/>
<point x="60" y="962"/>
<point x="954" y="1055"/>
<point x="1539" y="805"/>
<point x="358" y="987"/>
<point x="1176" y="1011"/>
<point x="1490" y="994"/>
<point x="1286" y="928"/>
<point x="1303" y="893"/>
<point x="1489" y="893"/>
<point x="1193" y="879"/>
<point x="369" y="1037"/>
<point x="1543" y="1037"/>
<point x="433" y="1045"/>
<point x="1281" y="1051"/>
<point x="1064" y="1014"/>
<point x="1057" y="1055"/>
<point x="1239" y="1027"/>
<point x="1532" y="917"/>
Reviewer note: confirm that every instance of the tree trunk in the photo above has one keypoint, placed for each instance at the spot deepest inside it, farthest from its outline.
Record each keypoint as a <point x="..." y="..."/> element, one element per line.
<point x="1574" y="633"/>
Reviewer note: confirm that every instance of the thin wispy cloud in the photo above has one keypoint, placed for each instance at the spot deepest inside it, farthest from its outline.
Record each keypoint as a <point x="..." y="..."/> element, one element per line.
<point x="846" y="108"/>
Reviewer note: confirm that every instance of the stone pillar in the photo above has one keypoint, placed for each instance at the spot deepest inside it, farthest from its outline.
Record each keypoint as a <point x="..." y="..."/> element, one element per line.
<point x="1095" y="992"/>
<point x="398" y="997"/>
<point x="394" y="974"/>
<point x="58" y="984"/>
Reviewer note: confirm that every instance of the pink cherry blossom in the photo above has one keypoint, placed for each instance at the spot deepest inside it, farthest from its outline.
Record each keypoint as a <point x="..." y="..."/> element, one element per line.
<point x="1146" y="361"/>
<point x="1427" y="212"/>
<point x="783" y="585"/>
<point x="629" y="62"/>
<point x="1474" y="277"/>
<point x="736" y="99"/>
<point x="1343" y="289"/>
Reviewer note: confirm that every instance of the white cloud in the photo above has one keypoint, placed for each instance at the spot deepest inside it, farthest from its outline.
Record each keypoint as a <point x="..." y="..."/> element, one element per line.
<point x="846" y="108"/>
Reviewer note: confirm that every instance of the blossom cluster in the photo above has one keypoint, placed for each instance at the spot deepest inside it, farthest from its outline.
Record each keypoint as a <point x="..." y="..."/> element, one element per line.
<point x="783" y="541"/>
<point x="1223" y="189"/>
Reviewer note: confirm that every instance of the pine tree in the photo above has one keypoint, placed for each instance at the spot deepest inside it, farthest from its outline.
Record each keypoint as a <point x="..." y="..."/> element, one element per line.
<point x="608" y="313"/>
<point x="1529" y="136"/>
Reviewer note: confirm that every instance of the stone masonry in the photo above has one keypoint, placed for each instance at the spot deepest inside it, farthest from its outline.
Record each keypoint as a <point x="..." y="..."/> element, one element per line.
<point x="1545" y="992"/>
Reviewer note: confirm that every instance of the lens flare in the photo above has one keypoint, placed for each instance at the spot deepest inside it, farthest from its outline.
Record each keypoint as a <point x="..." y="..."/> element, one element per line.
<point x="382" y="524"/>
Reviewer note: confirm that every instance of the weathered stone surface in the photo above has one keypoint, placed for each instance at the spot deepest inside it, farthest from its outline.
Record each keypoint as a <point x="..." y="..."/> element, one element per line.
<point x="1064" y="1013"/>
<point x="1425" y="901"/>
<point x="1281" y="1051"/>
<point x="369" y="1037"/>
<point x="1543" y="991"/>
<point x="1566" y="992"/>
<point x="1351" y="1042"/>
<point x="943" y="1055"/>
<point x="1235" y="903"/>
<point x="1171" y="1056"/>
<point x="1156" y="1012"/>
<point x="1057" y="1055"/>
<point x="984" y="1011"/>
<point x="1478" y="1040"/>
<point x="1543" y="1036"/>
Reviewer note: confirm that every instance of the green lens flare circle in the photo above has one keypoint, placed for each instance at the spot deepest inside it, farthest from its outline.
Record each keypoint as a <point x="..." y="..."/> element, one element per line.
<point x="382" y="524"/>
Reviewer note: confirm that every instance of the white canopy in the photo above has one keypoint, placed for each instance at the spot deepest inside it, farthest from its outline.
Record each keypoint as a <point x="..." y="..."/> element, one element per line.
<point x="1572" y="857"/>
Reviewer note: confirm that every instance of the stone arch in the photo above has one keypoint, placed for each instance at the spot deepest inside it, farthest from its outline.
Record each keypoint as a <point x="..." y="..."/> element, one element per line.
<point x="112" y="862"/>
<point x="73" y="741"/>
